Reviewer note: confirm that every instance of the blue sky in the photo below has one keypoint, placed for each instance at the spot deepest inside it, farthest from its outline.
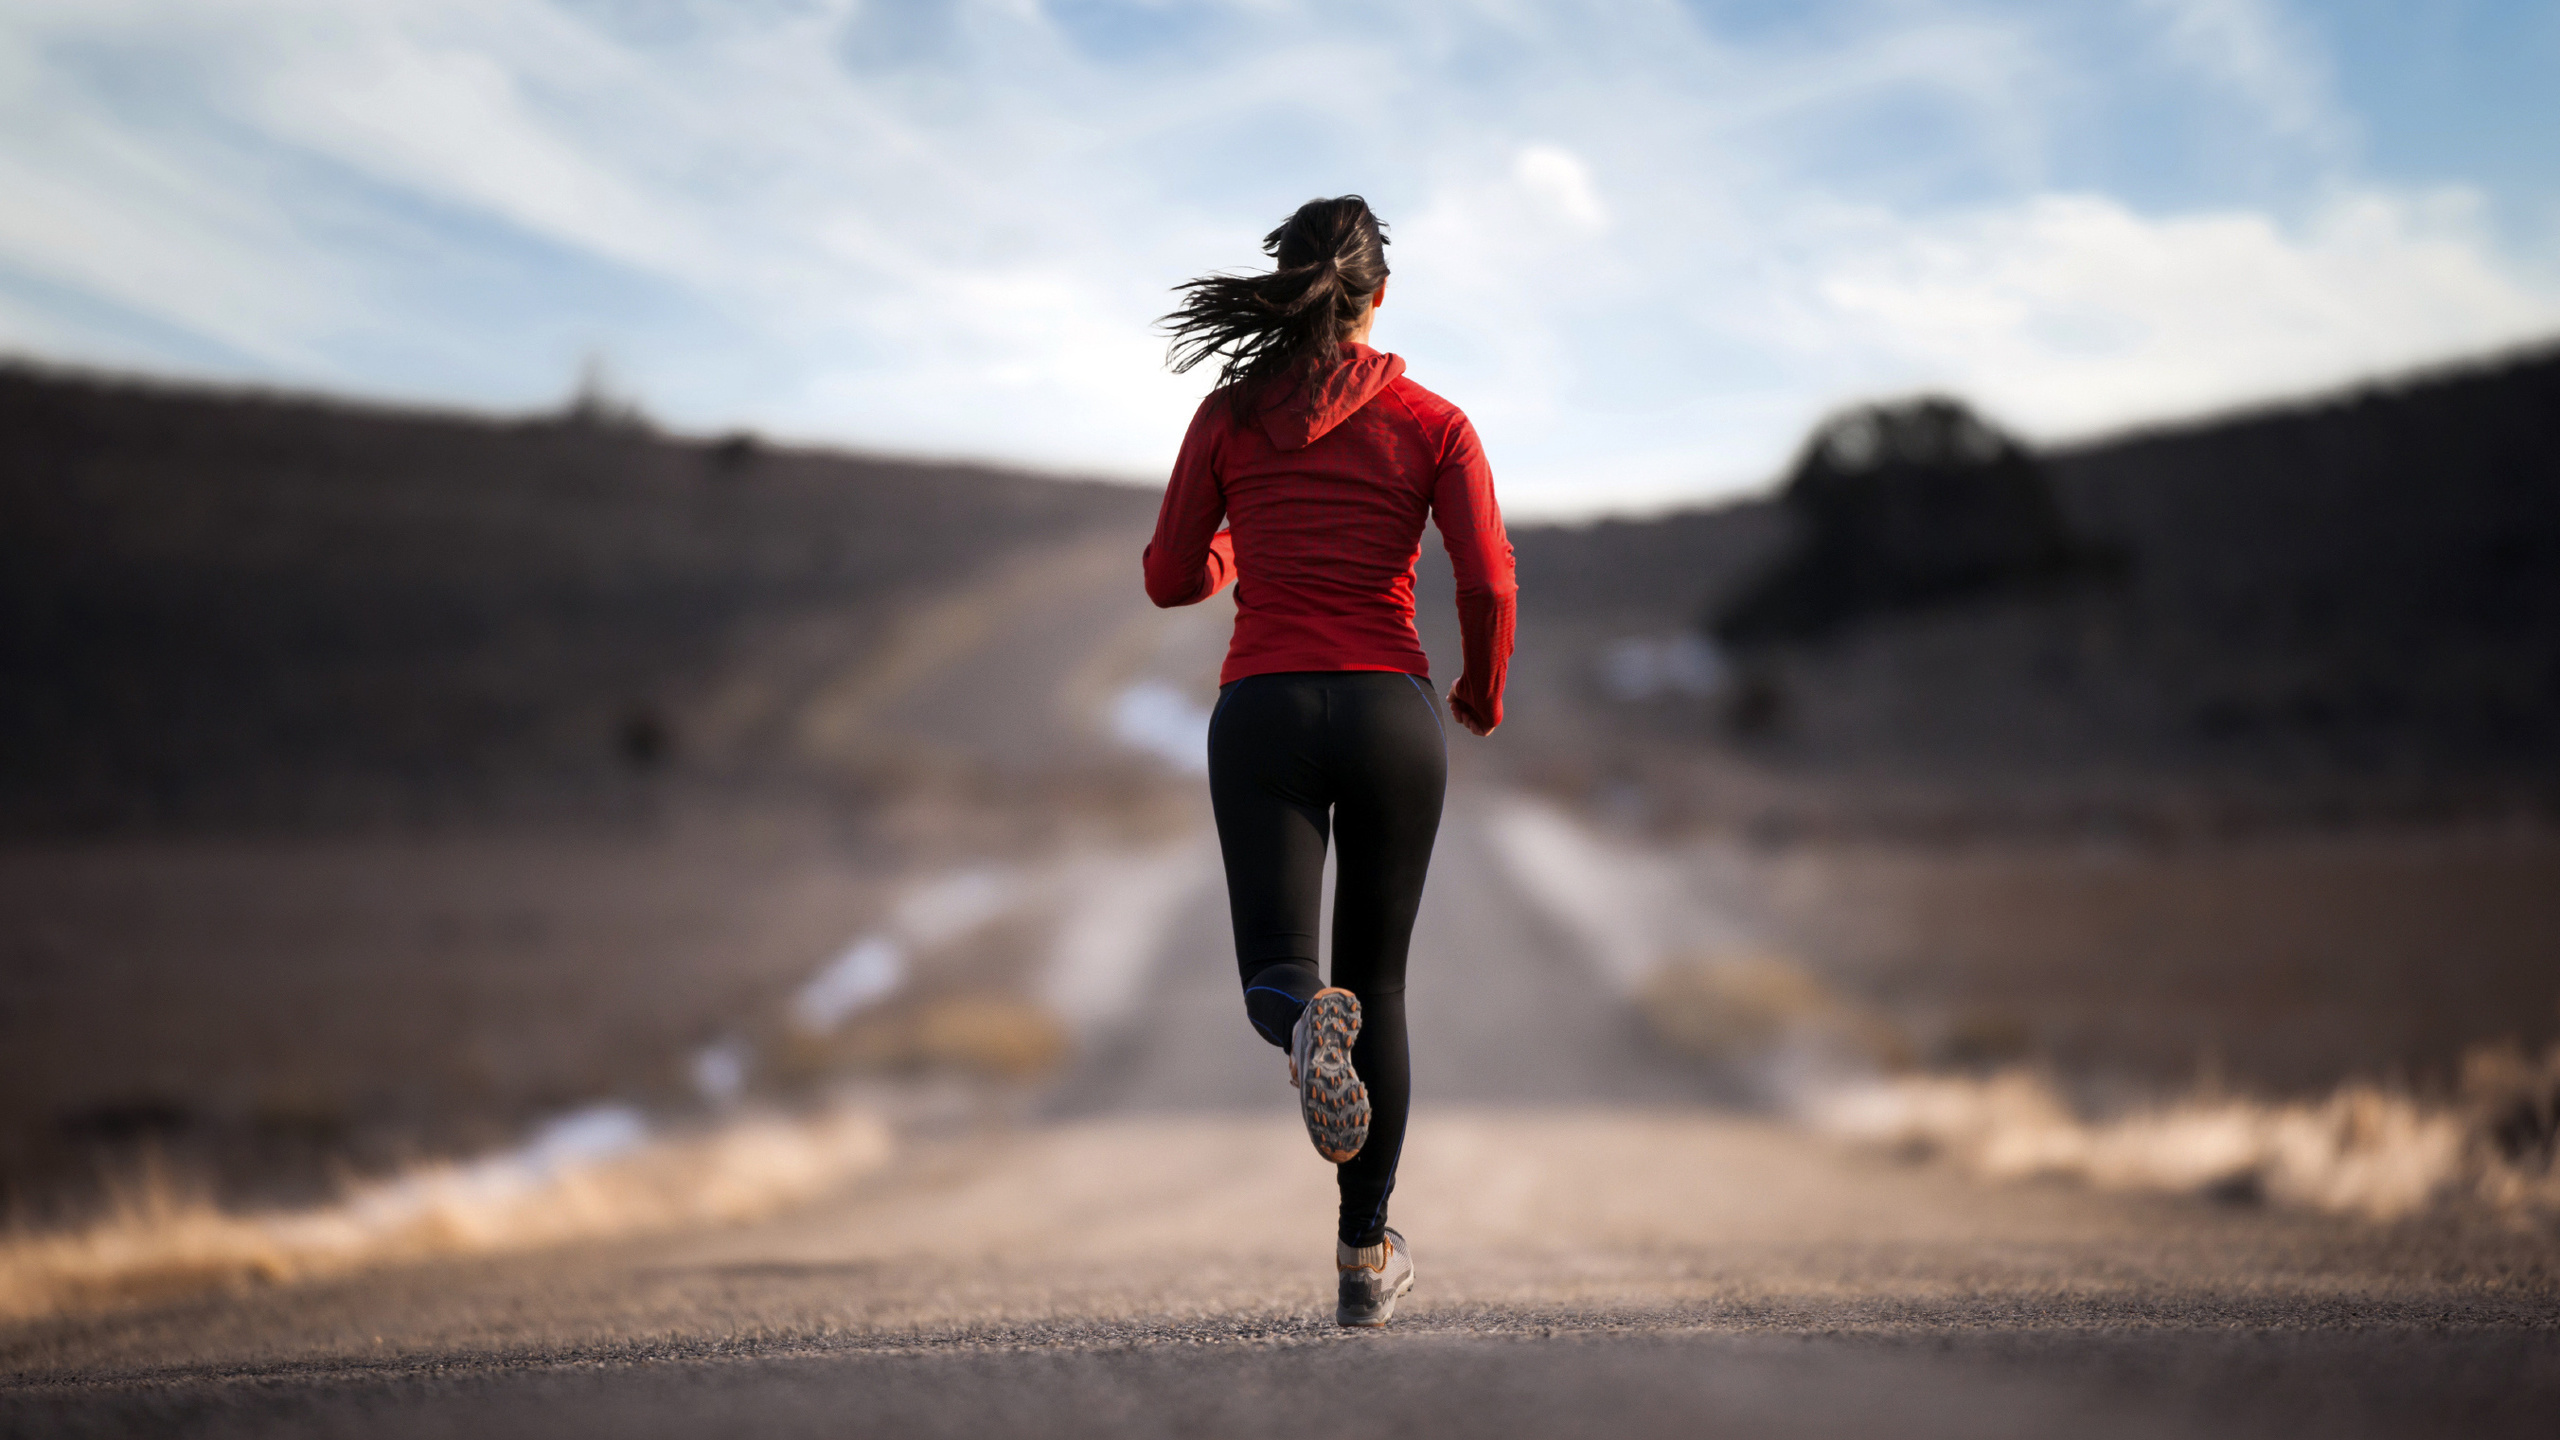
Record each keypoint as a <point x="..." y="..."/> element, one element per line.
<point x="1646" y="245"/>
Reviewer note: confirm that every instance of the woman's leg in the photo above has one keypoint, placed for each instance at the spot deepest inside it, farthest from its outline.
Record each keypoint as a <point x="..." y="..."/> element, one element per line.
<point x="1362" y="756"/>
<point x="1390" y="767"/>
<point x="1268" y="787"/>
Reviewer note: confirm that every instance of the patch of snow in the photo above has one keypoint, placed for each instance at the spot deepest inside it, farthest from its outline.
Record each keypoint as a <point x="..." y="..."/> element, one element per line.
<point x="865" y="974"/>
<point x="1154" y="717"/>
<point x="720" y="1071"/>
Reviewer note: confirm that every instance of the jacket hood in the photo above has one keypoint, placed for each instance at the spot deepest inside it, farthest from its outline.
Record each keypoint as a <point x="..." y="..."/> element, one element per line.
<point x="1302" y="416"/>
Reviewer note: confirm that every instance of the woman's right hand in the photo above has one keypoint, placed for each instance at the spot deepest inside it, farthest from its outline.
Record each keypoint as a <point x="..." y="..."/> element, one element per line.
<point x="1476" y="721"/>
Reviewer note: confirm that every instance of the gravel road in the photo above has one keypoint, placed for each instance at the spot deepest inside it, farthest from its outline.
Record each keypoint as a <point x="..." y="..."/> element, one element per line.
<point x="1601" y="1252"/>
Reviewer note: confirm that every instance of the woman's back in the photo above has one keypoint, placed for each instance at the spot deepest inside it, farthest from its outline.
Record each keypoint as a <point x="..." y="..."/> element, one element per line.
<point x="1326" y="490"/>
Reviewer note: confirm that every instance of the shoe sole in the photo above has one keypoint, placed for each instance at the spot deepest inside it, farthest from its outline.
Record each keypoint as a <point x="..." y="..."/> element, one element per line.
<point x="1331" y="1095"/>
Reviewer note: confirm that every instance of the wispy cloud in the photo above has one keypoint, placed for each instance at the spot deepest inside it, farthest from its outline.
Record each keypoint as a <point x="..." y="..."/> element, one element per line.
<point x="1643" y="244"/>
<point x="2062" y="307"/>
<point x="2264" y="57"/>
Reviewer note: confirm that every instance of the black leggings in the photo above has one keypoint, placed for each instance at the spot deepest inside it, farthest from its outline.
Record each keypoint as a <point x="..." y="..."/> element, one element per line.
<point x="1362" y="754"/>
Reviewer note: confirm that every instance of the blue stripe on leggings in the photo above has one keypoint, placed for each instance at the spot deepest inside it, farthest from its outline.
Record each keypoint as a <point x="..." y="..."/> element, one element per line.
<point x="1257" y="1025"/>
<point x="1433" y="706"/>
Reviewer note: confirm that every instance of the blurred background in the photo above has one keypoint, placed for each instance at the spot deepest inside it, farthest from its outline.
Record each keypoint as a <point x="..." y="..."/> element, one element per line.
<point x="569" y="580"/>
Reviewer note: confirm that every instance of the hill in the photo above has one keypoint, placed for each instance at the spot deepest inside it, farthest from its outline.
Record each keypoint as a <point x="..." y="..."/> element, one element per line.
<point x="235" y="609"/>
<point x="2348" y="606"/>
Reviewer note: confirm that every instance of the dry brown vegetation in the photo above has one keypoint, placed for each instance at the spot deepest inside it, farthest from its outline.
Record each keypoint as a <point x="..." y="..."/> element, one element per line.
<point x="162" y="1235"/>
<point x="2377" y="1150"/>
<point x="2367" y="1149"/>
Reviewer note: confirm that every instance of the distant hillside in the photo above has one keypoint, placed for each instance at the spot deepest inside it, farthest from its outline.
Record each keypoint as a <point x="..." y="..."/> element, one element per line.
<point x="220" y="609"/>
<point x="2346" y="605"/>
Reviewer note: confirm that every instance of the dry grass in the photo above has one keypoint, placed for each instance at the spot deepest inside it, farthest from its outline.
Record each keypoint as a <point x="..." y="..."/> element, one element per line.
<point x="2362" y="1150"/>
<point x="988" y="1034"/>
<point x="163" y="1237"/>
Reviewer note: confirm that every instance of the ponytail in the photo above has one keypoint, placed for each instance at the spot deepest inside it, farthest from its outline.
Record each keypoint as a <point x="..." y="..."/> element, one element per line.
<point x="1329" y="260"/>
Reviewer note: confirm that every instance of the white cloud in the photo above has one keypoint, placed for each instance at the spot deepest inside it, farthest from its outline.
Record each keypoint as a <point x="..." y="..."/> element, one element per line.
<point x="2073" y="312"/>
<point x="1642" y="251"/>
<point x="440" y="116"/>
<point x="1561" y="184"/>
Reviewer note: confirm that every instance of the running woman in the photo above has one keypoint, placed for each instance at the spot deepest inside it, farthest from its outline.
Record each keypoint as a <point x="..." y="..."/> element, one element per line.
<point x="1322" y="461"/>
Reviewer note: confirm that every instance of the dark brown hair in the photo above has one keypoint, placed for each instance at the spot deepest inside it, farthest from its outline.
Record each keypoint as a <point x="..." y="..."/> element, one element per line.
<point x="1328" y="260"/>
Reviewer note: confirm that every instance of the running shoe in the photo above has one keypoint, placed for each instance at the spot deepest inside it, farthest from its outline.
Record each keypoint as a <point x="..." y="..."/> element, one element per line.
<point x="1330" y="1095"/>
<point x="1372" y="1278"/>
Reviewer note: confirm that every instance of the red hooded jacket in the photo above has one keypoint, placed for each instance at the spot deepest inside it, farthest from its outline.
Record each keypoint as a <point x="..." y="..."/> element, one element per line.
<point x="1324" y="495"/>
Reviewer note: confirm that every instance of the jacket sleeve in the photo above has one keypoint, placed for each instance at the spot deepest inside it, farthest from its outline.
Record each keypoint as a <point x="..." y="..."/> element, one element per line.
<point x="1190" y="558"/>
<point x="1470" y="521"/>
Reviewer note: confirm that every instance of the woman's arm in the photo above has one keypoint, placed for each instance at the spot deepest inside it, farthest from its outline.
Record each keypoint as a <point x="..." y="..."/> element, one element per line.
<point x="1470" y="522"/>
<point x="1190" y="558"/>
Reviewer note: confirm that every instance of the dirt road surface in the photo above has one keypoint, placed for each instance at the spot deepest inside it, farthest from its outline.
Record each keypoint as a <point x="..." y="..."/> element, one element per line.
<point x="1602" y="1252"/>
